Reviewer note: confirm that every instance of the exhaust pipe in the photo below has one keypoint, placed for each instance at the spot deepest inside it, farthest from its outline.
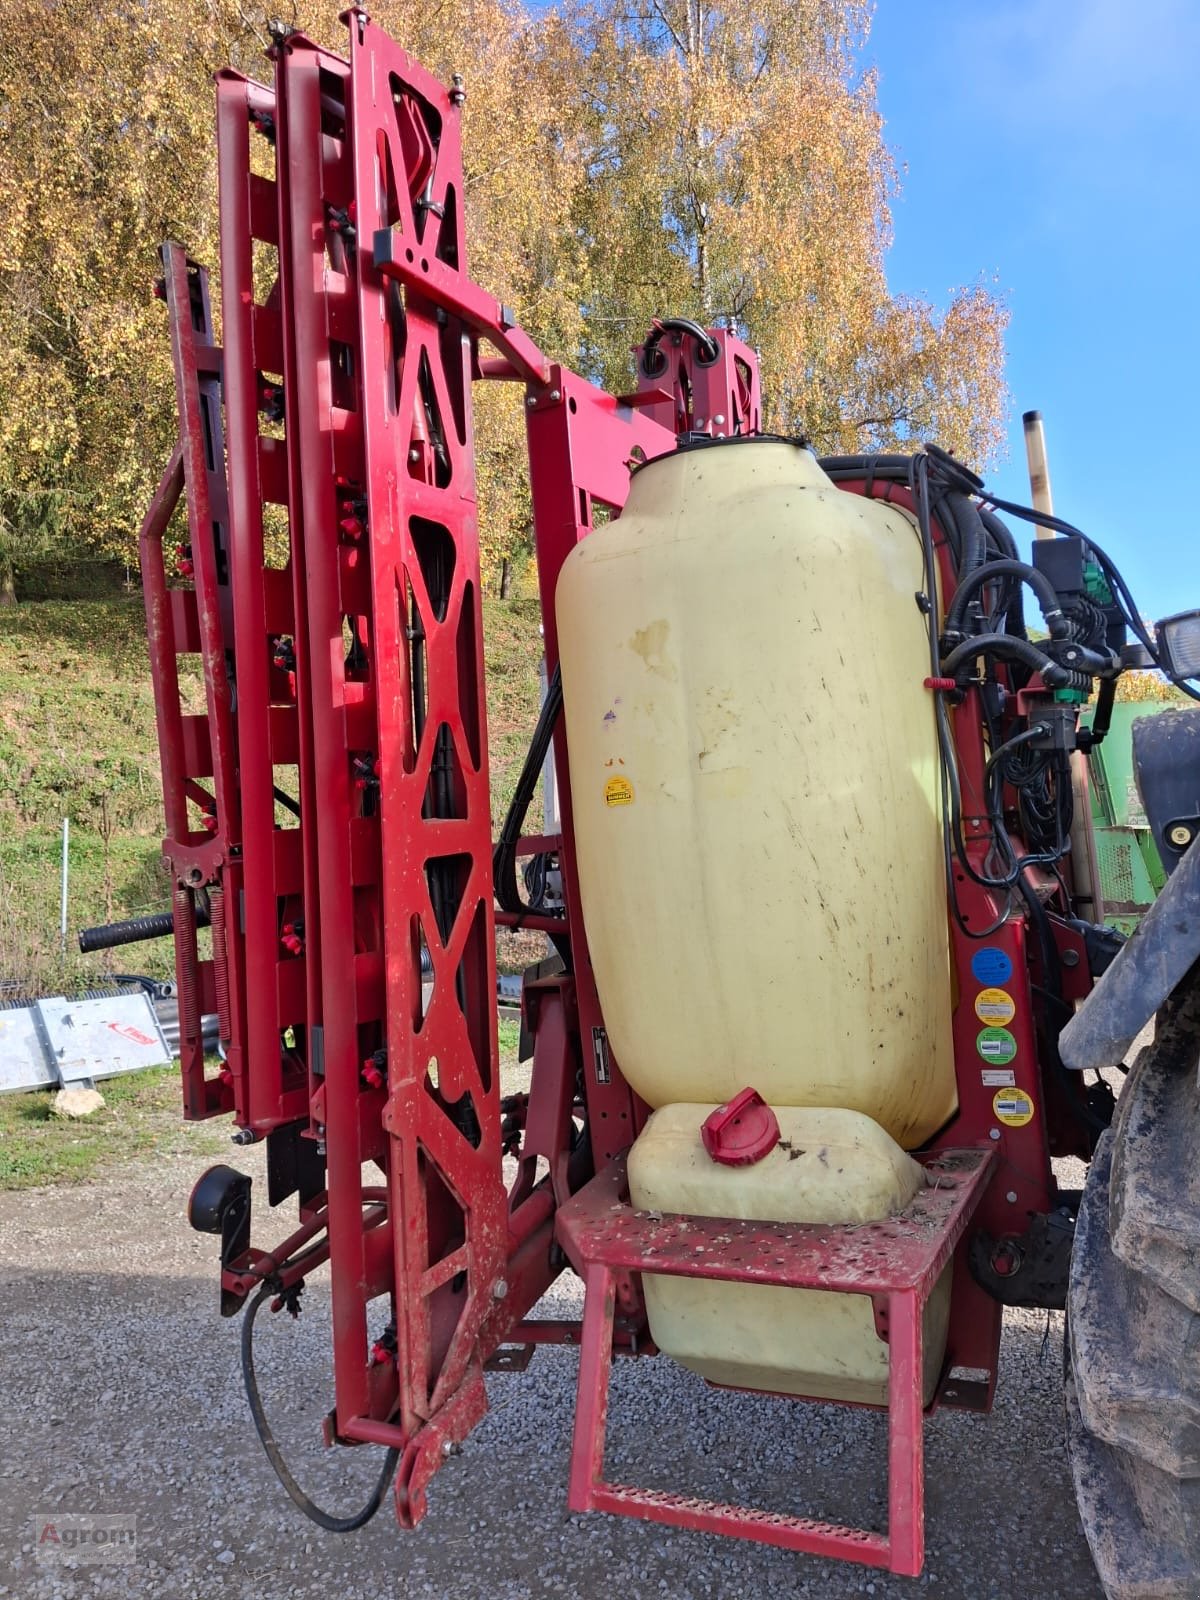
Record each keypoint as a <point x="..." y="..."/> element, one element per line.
<point x="1039" y="469"/>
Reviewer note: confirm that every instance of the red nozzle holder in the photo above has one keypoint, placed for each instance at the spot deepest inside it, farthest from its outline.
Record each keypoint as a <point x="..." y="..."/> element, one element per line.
<point x="742" y="1131"/>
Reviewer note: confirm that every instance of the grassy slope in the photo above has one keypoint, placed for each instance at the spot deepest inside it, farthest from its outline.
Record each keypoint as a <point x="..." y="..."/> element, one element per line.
<point x="77" y="739"/>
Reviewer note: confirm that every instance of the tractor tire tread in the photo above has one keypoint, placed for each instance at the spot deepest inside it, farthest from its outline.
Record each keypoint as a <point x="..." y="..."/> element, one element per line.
<point x="1133" y="1328"/>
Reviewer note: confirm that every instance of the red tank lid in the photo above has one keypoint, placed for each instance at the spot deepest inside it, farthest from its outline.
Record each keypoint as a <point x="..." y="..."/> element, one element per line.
<point x="741" y="1131"/>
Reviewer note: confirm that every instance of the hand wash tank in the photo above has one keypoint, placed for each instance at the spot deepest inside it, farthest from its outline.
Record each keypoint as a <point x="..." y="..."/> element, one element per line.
<point x="753" y="766"/>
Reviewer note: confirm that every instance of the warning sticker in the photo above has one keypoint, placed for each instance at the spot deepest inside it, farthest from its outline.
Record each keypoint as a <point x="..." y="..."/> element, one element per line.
<point x="998" y="1078"/>
<point x="995" y="1007"/>
<point x="618" y="792"/>
<point x="1013" y="1107"/>
<point x="996" y="1044"/>
<point x="991" y="965"/>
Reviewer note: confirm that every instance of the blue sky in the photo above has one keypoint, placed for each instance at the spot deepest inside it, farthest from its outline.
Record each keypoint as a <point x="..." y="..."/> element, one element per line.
<point x="1055" y="145"/>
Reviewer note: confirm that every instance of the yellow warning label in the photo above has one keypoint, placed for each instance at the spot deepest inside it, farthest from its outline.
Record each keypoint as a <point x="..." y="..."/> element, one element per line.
<point x="618" y="792"/>
<point x="995" y="1007"/>
<point x="1013" y="1107"/>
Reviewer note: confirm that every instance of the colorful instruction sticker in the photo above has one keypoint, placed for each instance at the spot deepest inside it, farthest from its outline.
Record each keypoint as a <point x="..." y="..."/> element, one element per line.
<point x="991" y="965"/>
<point x="996" y="1044"/>
<point x="618" y="792"/>
<point x="1013" y="1107"/>
<point x="995" y="1007"/>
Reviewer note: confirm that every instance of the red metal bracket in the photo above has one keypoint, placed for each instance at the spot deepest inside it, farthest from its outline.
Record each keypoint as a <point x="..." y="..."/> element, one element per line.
<point x="687" y="393"/>
<point x="898" y="1260"/>
<point x="201" y="842"/>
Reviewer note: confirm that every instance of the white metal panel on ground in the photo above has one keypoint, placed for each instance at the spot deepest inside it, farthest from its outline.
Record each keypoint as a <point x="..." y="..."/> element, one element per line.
<point x="101" y="1038"/>
<point x="23" y="1060"/>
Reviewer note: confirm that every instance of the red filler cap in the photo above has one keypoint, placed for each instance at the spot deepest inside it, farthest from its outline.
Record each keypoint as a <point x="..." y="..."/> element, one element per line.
<point x="742" y="1131"/>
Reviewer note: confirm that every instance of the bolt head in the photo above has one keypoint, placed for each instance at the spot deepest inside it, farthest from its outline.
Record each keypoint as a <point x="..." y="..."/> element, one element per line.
<point x="530" y="401"/>
<point x="1011" y="1197"/>
<point x="1180" y="835"/>
<point x="556" y="394"/>
<point x="499" y="1289"/>
<point x="993" y="1133"/>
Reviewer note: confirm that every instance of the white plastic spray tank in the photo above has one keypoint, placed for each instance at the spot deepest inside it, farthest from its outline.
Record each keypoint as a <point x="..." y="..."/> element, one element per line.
<point x="753" y="771"/>
<point x="753" y="767"/>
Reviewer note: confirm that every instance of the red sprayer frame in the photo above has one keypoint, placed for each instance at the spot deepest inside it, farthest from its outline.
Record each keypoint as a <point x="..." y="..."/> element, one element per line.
<point x="328" y="814"/>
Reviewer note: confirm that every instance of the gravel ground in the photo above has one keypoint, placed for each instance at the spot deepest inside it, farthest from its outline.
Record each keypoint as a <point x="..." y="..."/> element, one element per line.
<point x="121" y="1394"/>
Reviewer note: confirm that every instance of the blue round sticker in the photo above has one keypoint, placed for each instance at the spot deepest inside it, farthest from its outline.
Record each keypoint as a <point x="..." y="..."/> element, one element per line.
<point x="991" y="965"/>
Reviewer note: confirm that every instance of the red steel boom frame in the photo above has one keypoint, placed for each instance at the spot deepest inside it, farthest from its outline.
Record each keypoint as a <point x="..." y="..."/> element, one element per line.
<point x="328" y="812"/>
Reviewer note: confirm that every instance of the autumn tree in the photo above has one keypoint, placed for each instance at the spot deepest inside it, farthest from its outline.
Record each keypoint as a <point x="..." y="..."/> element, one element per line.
<point x="737" y="172"/>
<point x="106" y="116"/>
<point x="627" y="158"/>
<point x="106" y="150"/>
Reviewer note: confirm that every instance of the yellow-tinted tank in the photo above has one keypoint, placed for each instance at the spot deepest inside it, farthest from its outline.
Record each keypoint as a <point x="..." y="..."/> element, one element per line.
<point x="753" y="774"/>
<point x="829" y="1166"/>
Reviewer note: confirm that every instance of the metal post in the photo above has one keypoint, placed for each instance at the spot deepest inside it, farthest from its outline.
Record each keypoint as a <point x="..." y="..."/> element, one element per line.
<point x="66" y="871"/>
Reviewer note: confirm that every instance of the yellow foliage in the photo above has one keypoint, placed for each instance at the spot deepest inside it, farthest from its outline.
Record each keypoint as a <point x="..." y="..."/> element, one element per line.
<point x="726" y="163"/>
<point x="737" y="172"/>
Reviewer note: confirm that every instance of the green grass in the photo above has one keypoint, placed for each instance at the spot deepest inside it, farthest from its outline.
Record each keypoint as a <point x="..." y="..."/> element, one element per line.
<point x="77" y="739"/>
<point x="141" y="1116"/>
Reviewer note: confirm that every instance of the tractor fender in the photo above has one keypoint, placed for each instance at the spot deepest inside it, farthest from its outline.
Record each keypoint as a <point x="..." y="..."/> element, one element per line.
<point x="1148" y="969"/>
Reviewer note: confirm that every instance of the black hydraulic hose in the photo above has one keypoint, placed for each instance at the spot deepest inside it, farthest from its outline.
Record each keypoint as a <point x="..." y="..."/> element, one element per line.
<point x="504" y="856"/>
<point x="1102" y="717"/>
<point x="1039" y="730"/>
<point x="873" y="468"/>
<point x="309" y="1507"/>
<point x="970" y="585"/>
<point x="1116" y="582"/>
<point x="1014" y="616"/>
<point x="893" y="469"/>
<point x="993" y="782"/>
<point x="1001" y="533"/>
<point x="972" y="538"/>
<point x="1009" y="648"/>
<point x="111" y="934"/>
<point x="652" y="360"/>
<point x="1051" y="965"/>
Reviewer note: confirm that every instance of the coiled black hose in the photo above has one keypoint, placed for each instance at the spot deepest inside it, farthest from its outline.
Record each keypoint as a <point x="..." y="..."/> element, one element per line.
<point x="314" y="1512"/>
<point x="969" y="586"/>
<point x="654" y="362"/>
<point x="1008" y="648"/>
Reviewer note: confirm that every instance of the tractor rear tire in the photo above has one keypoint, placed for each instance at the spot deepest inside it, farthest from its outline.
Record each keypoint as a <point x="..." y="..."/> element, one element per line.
<point x="1133" y="1325"/>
